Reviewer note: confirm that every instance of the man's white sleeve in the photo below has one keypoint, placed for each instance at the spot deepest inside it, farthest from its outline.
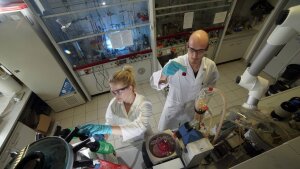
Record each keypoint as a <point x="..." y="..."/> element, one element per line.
<point x="154" y="81"/>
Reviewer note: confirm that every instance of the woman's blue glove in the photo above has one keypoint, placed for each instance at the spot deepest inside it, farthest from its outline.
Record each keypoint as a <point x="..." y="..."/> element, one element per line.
<point x="172" y="67"/>
<point x="95" y="129"/>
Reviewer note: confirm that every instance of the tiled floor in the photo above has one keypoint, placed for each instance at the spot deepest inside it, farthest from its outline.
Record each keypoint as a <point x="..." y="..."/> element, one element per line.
<point x="94" y="111"/>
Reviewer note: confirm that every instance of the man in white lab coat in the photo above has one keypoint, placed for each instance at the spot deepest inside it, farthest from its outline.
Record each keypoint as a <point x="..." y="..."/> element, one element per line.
<point x="185" y="75"/>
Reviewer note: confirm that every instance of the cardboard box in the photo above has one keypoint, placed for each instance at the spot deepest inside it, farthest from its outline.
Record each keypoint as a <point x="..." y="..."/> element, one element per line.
<point x="44" y="123"/>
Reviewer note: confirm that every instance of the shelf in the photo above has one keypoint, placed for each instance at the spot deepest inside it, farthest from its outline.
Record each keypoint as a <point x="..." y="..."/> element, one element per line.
<point x="186" y="4"/>
<point x="87" y="19"/>
<point x="173" y="46"/>
<point x="170" y="18"/>
<point x="88" y="9"/>
<point x="173" y="31"/>
<point x="192" y="10"/>
<point x="240" y="34"/>
<point x="111" y="60"/>
<point x="88" y="32"/>
<point x="187" y="34"/>
<point x="102" y="33"/>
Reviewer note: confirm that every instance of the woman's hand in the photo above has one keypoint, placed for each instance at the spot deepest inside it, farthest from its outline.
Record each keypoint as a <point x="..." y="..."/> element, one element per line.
<point x="95" y="129"/>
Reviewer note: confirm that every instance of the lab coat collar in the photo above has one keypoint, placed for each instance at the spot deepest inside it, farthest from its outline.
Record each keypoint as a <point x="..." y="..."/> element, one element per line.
<point x="134" y="104"/>
<point x="203" y="65"/>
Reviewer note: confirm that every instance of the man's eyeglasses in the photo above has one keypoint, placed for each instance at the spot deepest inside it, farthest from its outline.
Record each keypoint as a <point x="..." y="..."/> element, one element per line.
<point x="198" y="51"/>
<point x="119" y="91"/>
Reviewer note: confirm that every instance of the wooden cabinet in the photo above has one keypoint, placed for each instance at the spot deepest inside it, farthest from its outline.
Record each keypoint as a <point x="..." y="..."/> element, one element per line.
<point x="234" y="46"/>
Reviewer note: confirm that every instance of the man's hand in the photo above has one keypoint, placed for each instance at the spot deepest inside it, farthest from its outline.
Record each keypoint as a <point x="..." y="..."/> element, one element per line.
<point x="172" y="67"/>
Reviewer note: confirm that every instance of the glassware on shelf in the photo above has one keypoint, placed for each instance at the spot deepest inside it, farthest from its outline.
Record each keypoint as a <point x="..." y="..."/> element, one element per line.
<point x="170" y="16"/>
<point x="89" y="21"/>
<point x="98" y="48"/>
<point x="173" y="31"/>
<point x="83" y="29"/>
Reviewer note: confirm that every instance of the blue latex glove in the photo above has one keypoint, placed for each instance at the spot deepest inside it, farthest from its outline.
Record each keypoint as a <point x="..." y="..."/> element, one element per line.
<point x="99" y="137"/>
<point x="172" y="67"/>
<point x="91" y="130"/>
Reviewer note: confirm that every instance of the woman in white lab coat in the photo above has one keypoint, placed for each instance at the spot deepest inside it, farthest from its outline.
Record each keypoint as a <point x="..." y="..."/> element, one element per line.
<point x="128" y="113"/>
<point x="185" y="75"/>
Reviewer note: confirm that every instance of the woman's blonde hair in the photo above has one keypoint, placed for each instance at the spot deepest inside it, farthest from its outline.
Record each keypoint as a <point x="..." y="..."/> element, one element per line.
<point x="125" y="76"/>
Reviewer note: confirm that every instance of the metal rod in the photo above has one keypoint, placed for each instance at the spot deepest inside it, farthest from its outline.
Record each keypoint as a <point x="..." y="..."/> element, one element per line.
<point x="90" y="9"/>
<point x="101" y="33"/>
<point x="202" y="9"/>
<point x="183" y="5"/>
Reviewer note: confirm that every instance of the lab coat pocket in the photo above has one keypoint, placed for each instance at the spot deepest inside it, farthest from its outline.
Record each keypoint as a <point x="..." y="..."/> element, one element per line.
<point x="173" y="108"/>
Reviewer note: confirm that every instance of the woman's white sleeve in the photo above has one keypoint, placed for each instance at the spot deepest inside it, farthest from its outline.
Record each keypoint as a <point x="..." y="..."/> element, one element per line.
<point x="140" y="125"/>
<point x="109" y="114"/>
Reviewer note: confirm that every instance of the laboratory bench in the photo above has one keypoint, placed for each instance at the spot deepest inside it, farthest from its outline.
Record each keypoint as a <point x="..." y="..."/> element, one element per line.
<point x="131" y="154"/>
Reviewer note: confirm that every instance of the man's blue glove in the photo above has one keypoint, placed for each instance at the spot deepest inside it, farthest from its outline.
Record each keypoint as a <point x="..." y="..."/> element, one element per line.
<point x="172" y="67"/>
<point x="95" y="129"/>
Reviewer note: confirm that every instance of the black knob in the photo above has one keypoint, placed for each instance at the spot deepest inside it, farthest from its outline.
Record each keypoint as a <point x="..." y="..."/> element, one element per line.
<point x="238" y="79"/>
<point x="93" y="146"/>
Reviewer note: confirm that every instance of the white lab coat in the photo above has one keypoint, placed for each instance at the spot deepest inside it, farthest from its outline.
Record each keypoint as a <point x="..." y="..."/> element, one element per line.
<point x="179" y="106"/>
<point x="134" y="124"/>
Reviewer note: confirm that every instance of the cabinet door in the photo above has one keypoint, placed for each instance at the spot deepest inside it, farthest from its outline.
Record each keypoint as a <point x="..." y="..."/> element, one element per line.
<point x="96" y="82"/>
<point x="213" y="43"/>
<point x="20" y="137"/>
<point x="232" y="49"/>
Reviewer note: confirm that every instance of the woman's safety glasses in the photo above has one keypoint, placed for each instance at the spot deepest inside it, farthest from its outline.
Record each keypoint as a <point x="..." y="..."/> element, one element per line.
<point x="119" y="91"/>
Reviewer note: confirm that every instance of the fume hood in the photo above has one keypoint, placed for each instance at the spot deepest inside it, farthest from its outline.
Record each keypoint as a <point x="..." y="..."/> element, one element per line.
<point x="27" y="54"/>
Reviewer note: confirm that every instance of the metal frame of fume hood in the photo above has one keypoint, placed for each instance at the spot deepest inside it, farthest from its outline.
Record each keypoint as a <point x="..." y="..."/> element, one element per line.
<point x="69" y="66"/>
